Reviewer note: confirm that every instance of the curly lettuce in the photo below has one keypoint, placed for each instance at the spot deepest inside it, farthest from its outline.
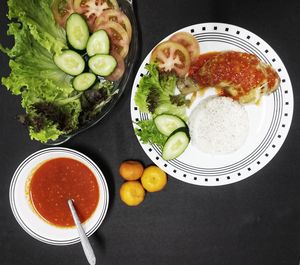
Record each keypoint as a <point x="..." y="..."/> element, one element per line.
<point x="148" y="133"/>
<point x="155" y="92"/>
<point x="34" y="76"/>
<point x="37" y="16"/>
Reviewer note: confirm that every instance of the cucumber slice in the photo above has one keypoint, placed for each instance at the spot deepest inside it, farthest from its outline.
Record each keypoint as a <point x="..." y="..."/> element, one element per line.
<point x="102" y="64"/>
<point x="168" y="123"/>
<point x="70" y="62"/>
<point x="84" y="81"/>
<point x="176" y="143"/>
<point x="77" y="31"/>
<point x="98" y="43"/>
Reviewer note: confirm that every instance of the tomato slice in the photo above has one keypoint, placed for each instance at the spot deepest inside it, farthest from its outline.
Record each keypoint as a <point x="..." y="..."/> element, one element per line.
<point x="92" y="9"/>
<point x="116" y="16"/>
<point x="189" y="42"/>
<point x="119" y="70"/>
<point x="118" y="37"/>
<point x="61" y="10"/>
<point x="171" y="57"/>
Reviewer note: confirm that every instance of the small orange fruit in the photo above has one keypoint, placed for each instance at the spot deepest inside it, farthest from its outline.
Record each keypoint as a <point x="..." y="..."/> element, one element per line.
<point x="154" y="179"/>
<point x="132" y="193"/>
<point x="131" y="170"/>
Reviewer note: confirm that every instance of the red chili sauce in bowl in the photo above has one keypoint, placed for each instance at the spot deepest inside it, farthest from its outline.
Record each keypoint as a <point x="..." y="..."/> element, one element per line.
<point x="56" y="181"/>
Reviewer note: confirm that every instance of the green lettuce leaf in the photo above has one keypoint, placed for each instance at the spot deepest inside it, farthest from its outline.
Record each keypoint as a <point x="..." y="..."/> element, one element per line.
<point x="53" y="119"/>
<point x="37" y="16"/>
<point x="154" y="91"/>
<point x="148" y="133"/>
<point x="34" y="76"/>
<point x="33" y="70"/>
<point x="155" y="95"/>
<point x="168" y="86"/>
<point x="147" y="83"/>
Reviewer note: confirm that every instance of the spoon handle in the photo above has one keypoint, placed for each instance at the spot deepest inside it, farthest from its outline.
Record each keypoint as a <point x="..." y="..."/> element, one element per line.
<point x="87" y="248"/>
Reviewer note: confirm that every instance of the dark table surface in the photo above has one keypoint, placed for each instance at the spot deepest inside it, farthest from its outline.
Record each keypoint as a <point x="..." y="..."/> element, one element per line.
<point x="254" y="221"/>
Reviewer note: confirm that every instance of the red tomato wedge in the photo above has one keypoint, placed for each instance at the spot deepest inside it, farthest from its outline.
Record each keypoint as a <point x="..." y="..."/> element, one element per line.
<point x="61" y="10"/>
<point x="119" y="70"/>
<point x="171" y="57"/>
<point x="116" y="16"/>
<point x="92" y="9"/>
<point x="118" y="37"/>
<point x="189" y="42"/>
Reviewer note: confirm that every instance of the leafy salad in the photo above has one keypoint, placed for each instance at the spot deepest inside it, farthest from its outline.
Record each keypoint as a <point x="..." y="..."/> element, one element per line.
<point x="161" y="94"/>
<point x="157" y="96"/>
<point x="63" y="78"/>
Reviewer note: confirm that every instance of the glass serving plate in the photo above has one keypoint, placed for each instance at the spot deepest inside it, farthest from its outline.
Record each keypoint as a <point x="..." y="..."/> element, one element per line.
<point x="127" y="7"/>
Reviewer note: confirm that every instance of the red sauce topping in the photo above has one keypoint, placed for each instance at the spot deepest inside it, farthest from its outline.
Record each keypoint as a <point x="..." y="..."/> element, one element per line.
<point x="272" y="77"/>
<point x="58" y="180"/>
<point x="199" y="62"/>
<point x="236" y="68"/>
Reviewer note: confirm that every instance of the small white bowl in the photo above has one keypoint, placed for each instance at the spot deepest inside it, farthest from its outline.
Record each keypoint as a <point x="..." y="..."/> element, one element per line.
<point x="29" y="219"/>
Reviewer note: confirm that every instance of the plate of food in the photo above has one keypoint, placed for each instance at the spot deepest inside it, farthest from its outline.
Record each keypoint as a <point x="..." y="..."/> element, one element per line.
<point x="41" y="187"/>
<point x="212" y="104"/>
<point x="70" y="62"/>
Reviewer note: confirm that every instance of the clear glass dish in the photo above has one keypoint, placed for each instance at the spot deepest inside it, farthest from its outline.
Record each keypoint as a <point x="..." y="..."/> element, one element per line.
<point x="127" y="7"/>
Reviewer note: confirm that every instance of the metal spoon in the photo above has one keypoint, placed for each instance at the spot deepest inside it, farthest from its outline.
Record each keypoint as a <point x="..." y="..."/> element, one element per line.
<point x="87" y="248"/>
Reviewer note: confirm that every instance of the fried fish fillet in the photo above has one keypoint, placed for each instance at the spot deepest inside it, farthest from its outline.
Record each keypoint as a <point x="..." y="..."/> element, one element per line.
<point x="240" y="75"/>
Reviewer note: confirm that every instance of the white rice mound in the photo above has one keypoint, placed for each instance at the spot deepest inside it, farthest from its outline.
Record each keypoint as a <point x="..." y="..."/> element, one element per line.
<point x="218" y="125"/>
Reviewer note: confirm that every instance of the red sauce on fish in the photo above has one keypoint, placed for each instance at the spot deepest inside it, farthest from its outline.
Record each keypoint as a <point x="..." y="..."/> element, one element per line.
<point x="272" y="77"/>
<point x="234" y="67"/>
<point x="58" y="180"/>
<point x="199" y="62"/>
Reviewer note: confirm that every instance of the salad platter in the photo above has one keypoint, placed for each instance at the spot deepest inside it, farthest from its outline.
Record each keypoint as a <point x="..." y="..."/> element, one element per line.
<point x="269" y="118"/>
<point x="70" y="64"/>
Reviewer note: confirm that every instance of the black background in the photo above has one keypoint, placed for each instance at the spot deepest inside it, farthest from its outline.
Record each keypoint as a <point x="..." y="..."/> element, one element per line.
<point x="255" y="221"/>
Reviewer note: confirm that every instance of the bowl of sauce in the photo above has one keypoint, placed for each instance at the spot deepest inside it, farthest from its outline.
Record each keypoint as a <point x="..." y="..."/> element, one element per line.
<point x="56" y="181"/>
<point x="41" y="187"/>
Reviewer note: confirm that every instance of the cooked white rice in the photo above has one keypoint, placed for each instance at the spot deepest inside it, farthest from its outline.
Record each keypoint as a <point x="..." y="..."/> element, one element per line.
<point x="218" y="125"/>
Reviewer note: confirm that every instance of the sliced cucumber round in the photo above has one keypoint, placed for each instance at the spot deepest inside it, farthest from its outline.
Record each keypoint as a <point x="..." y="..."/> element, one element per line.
<point x="84" y="81"/>
<point x="70" y="62"/>
<point x="77" y="31"/>
<point x="102" y="64"/>
<point x="168" y="123"/>
<point x="98" y="43"/>
<point x="176" y="143"/>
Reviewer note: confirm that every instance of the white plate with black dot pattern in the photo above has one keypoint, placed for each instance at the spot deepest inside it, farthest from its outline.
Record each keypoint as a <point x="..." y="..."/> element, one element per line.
<point x="269" y="121"/>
